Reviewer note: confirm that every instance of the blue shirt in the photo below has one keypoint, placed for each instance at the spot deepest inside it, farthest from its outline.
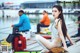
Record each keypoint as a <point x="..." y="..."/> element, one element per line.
<point x="24" y="23"/>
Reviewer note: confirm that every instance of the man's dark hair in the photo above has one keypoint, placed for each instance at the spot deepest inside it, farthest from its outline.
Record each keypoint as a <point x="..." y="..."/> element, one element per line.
<point x="45" y="11"/>
<point x="21" y="11"/>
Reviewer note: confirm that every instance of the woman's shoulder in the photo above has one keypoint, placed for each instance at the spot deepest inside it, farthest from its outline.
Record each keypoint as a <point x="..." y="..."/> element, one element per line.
<point x="57" y="20"/>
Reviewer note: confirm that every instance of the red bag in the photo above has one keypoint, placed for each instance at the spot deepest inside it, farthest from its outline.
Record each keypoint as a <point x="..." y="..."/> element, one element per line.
<point x="19" y="43"/>
<point x="47" y="36"/>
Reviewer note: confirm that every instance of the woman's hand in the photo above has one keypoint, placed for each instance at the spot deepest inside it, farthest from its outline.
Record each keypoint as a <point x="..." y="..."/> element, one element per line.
<point x="78" y="22"/>
<point x="12" y="25"/>
<point x="65" y="48"/>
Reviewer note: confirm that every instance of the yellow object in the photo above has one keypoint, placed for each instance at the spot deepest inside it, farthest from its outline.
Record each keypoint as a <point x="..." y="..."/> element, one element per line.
<point x="44" y="30"/>
<point x="4" y="42"/>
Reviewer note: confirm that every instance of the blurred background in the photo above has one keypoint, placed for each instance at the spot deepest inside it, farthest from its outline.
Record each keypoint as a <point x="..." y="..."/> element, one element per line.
<point x="33" y="9"/>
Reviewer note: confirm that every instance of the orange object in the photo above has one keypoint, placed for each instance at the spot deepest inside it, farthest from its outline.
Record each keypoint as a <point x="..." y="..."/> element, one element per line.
<point x="45" y="20"/>
<point x="57" y="50"/>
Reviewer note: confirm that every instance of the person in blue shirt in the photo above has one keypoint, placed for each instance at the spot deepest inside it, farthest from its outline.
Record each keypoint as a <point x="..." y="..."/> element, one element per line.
<point x="24" y="23"/>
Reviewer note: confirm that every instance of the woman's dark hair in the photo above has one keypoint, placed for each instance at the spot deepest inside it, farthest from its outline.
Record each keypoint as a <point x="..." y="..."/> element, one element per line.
<point x="64" y="29"/>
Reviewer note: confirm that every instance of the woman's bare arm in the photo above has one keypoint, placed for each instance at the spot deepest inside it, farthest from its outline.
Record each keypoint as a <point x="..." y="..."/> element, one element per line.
<point x="68" y="37"/>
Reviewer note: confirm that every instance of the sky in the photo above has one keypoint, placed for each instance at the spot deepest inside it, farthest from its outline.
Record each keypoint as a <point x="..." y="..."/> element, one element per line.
<point x="16" y="1"/>
<point x="21" y="1"/>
